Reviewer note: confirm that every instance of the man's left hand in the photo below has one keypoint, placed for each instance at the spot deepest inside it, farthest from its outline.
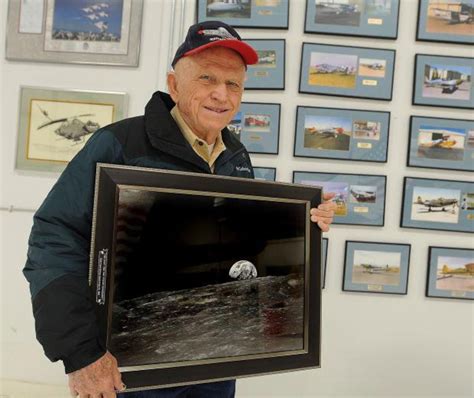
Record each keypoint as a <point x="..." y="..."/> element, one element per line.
<point x="324" y="213"/>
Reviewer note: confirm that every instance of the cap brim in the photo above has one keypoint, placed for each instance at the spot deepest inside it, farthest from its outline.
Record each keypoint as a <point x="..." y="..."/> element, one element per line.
<point x="248" y="54"/>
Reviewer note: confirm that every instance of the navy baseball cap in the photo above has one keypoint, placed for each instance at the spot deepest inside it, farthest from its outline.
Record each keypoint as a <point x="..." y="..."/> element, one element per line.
<point x="209" y="34"/>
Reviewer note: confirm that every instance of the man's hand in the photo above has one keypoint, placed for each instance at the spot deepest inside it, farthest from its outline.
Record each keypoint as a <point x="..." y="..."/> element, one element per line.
<point x="100" y="379"/>
<point x="324" y="213"/>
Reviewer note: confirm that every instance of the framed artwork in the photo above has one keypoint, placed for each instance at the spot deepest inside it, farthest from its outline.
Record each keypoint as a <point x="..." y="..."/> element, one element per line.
<point x="375" y="267"/>
<point x="346" y="134"/>
<point x="443" y="81"/>
<point x="360" y="199"/>
<point x="86" y="32"/>
<point x="254" y="14"/>
<point x="448" y="21"/>
<point x="258" y="126"/>
<point x="367" y="18"/>
<point x="439" y="143"/>
<point x="324" y="259"/>
<point x="444" y="205"/>
<point x="269" y="73"/>
<point x="243" y="296"/>
<point x="450" y="273"/>
<point x="347" y="71"/>
<point x="54" y="125"/>
<point x="265" y="173"/>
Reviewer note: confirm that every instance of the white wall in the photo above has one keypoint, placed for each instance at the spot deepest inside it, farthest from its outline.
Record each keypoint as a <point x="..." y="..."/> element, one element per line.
<point x="373" y="345"/>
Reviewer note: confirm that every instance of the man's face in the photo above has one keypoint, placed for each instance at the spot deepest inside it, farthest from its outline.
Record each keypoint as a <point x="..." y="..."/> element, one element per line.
<point x="208" y="87"/>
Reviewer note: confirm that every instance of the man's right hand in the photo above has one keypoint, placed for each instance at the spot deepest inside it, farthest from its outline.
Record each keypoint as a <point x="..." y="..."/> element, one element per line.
<point x="100" y="379"/>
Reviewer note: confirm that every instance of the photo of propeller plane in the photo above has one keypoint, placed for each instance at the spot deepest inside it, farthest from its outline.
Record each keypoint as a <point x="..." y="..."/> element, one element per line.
<point x="376" y="267"/>
<point x="363" y="194"/>
<point x="228" y="8"/>
<point x="447" y="81"/>
<point x="327" y="133"/>
<point x="338" y="12"/>
<point x="372" y="67"/>
<point x="437" y="142"/>
<point x="450" y="16"/>
<point x="435" y="204"/>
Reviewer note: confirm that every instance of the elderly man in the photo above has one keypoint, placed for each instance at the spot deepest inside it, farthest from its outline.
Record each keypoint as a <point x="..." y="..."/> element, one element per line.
<point x="185" y="130"/>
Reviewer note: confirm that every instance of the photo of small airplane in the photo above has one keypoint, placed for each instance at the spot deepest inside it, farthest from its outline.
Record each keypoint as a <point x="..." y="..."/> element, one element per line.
<point x="363" y="196"/>
<point x="447" y="86"/>
<point x="464" y="15"/>
<point x="376" y="66"/>
<point x="374" y="268"/>
<point x="437" y="203"/>
<point x="333" y="8"/>
<point x="225" y="5"/>
<point x="445" y="142"/>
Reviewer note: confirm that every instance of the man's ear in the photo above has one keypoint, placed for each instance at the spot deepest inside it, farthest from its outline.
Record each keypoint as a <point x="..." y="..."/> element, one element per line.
<point x="172" y="86"/>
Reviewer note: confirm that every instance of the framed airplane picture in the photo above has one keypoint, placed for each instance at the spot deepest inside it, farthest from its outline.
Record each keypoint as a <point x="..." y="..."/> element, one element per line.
<point x="256" y="14"/>
<point x="360" y="198"/>
<point x="243" y="296"/>
<point x="54" y="125"/>
<point x="443" y="81"/>
<point x="438" y="143"/>
<point x="450" y="273"/>
<point x="265" y="173"/>
<point x="445" y="205"/>
<point x="347" y="71"/>
<point x="346" y="134"/>
<point x="105" y="32"/>
<point x="376" y="267"/>
<point x="366" y="18"/>
<point x="258" y="126"/>
<point x="269" y="72"/>
<point x="447" y="21"/>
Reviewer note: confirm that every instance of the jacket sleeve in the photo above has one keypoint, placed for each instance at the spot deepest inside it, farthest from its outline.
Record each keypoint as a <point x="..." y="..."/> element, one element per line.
<point x="58" y="258"/>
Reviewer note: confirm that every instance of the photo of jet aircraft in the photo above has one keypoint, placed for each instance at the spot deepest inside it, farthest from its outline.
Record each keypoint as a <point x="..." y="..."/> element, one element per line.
<point x="437" y="203"/>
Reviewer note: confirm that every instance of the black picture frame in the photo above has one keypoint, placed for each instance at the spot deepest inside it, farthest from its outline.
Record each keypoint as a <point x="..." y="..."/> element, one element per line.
<point x="126" y="198"/>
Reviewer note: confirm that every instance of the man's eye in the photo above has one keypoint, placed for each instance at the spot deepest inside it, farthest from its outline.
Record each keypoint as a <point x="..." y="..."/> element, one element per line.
<point x="233" y="85"/>
<point x="205" y="77"/>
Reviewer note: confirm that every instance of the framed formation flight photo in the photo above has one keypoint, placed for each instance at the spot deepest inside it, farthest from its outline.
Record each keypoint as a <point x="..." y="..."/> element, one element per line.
<point x="346" y="134"/>
<point x="439" y="143"/>
<point x="54" y="125"/>
<point x="360" y="198"/>
<point x="443" y="81"/>
<point x="367" y="18"/>
<point x="445" y="205"/>
<point x="448" y="21"/>
<point x="346" y="71"/>
<point x="450" y="273"/>
<point x="243" y="296"/>
<point x="257" y="14"/>
<point x="375" y="267"/>
<point x="103" y="32"/>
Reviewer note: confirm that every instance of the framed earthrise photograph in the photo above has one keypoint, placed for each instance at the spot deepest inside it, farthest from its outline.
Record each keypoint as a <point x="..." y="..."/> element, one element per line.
<point x="54" y="125"/>
<point x="105" y="32"/>
<point x="347" y="71"/>
<point x="443" y="81"/>
<point x="439" y="143"/>
<point x="346" y="134"/>
<point x="450" y="273"/>
<point x="447" y="21"/>
<point x="366" y="18"/>
<point x="258" y="126"/>
<point x="444" y="205"/>
<point x="243" y="296"/>
<point x="360" y="198"/>
<point x="375" y="267"/>
<point x="256" y="14"/>
<point x="265" y="173"/>
<point x="269" y="72"/>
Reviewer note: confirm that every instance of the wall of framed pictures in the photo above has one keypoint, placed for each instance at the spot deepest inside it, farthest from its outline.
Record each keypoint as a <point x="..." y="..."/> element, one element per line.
<point x="400" y="109"/>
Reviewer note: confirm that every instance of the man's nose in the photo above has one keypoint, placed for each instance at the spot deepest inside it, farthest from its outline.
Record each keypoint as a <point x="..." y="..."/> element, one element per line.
<point x="219" y="93"/>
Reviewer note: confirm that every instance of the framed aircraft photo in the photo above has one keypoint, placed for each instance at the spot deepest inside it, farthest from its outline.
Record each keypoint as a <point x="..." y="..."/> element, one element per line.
<point x="243" y="296"/>
<point x="360" y="198"/>
<point x="450" y="273"/>
<point x="265" y="173"/>
<point x="346" y="134"/>
<point x="444" y="205"/>
<point x="105" y="32"/>
<point x="374" y="267"/>
<point x="258" y="126"/>
<point x="443" y="81"/>
<point x="269" y="72"/>
<point x="347" y="71"/>
<point x="256" y="14"/>
<point x="367" y="18"/>
<point x="448" y="21"/>
<point x="54" y="125"/>
<point x="438" y="143"/>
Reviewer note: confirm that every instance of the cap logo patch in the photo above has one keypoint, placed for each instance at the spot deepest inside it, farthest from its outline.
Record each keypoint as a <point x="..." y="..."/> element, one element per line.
<point x="223" y="33"/>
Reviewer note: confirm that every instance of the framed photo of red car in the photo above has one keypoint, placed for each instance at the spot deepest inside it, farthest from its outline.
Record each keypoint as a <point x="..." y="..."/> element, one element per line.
<point x="198" y="278"/>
